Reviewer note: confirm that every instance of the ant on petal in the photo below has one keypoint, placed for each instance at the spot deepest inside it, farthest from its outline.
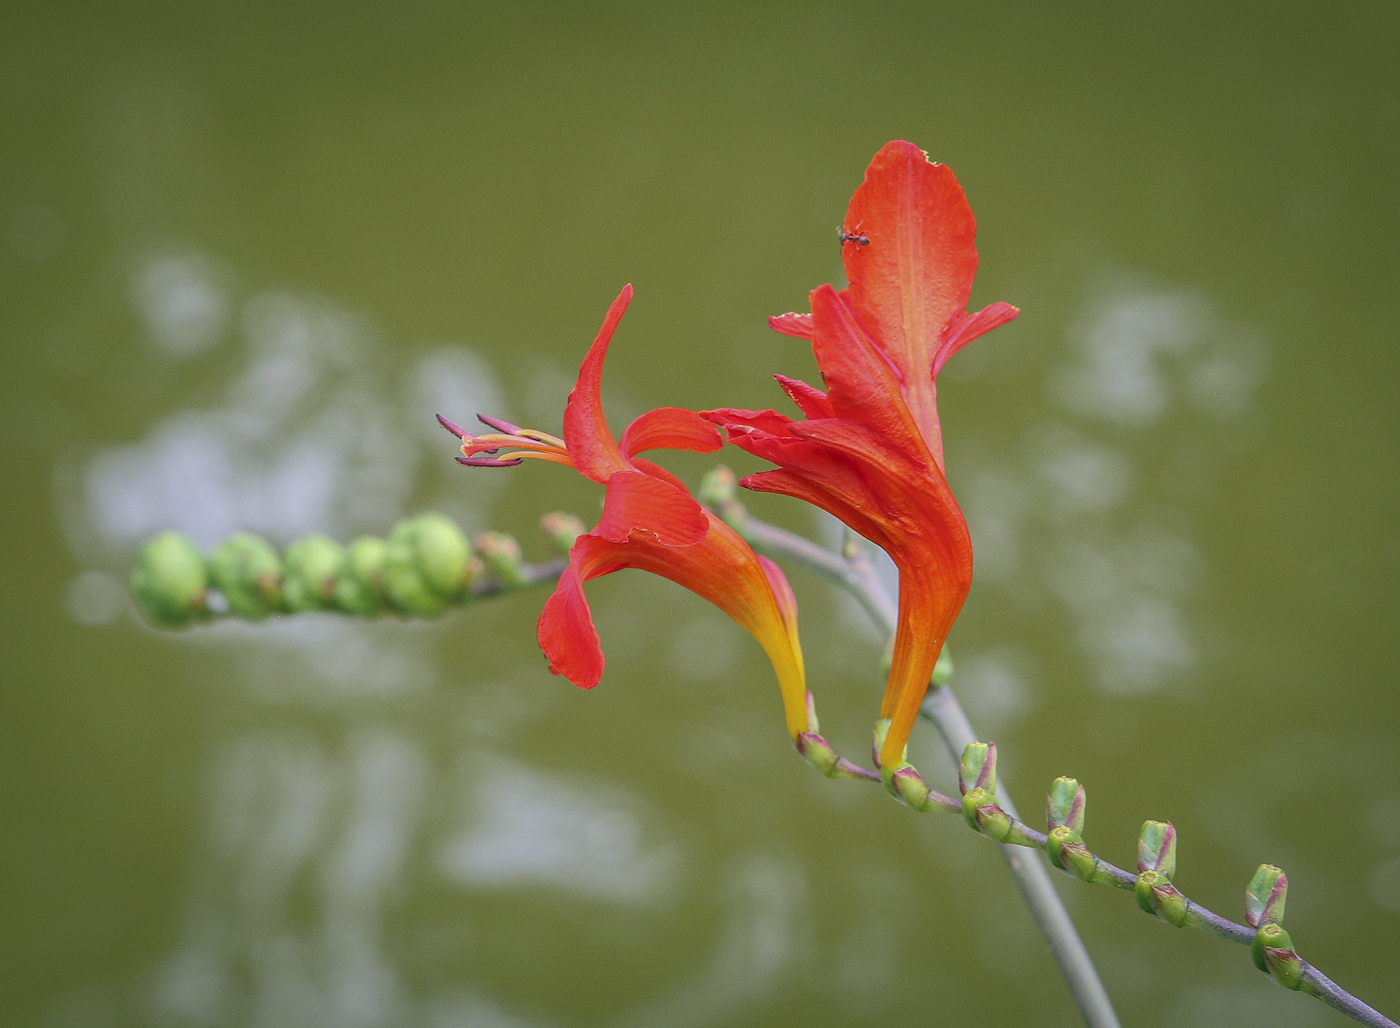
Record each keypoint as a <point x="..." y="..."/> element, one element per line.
<point x="851" y="237"/>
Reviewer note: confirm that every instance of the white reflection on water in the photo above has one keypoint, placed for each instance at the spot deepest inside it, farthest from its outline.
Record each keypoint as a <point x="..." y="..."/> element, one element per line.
<point x="316" y="431"/>
<point x="1088" y="518"/>
<point x="532" y="829"/>
<point x="182" y="301"/>
<point x="768" y="913"/>
<point x="293" y="828"/>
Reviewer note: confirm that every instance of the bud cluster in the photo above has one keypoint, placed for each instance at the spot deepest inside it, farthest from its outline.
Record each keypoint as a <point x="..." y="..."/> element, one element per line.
<point x="422" y="567"/>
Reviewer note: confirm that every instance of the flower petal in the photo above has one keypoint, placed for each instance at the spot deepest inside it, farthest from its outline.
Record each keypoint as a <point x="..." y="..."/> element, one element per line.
<point x="810" y="401"/>
<point x="782" y="592"/>
<point x="967" y="327"/>
<point x="591" y="446"/>
<point x="862" y="385"/>
<point x="671" y="428"/>
<point x="916" y="274"/>
<point x="566" y="631"/>
<point x="637" y="504"/>
<point x="657" y="471"/>
<point x="798" y="325"/>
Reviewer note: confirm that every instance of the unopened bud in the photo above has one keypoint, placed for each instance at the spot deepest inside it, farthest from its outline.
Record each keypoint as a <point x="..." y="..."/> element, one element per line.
<point x="882" y="730"/>
<point x="443" y="553"/>
<point x="982" y="814"/>
<point x="906" y="785"/>
<point x="1157" y="896"/>
<point x="943" y="669"/>
<point x="1067" y="851"/>
<point x="247" y="570"/>
<point x="818" y="752"/>
<point x="1064" y="805"/>
<point x="719" y="491"/>
<point x="1264" y="897"/>
<point x="978" y="769"/>
<point x="360" y="588"/>
<point x="427" y="564"/>
<point x="312" y="565"/>
<point x="717" y="487"/>
<point x="169" y="581"/>
<point x="1273" y="954"/>
<point x="501" y="554"/>
<point x="561" y="530"/>
<point x="1156" y="850"/>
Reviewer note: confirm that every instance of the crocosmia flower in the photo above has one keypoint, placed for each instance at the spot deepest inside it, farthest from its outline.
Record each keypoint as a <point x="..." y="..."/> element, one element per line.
<point x="650" y="521"/>
<point x="870" y="451"/>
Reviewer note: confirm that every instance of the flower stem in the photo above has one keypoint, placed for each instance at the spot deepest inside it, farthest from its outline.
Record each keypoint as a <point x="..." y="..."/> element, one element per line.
<point x="1033" y="880"/>
<point x="856" y="574"/>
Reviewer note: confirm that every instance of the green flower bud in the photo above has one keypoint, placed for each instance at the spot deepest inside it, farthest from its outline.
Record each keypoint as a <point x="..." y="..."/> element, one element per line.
<point x="1157" y="848"/>
<point x="1064" y="805"/>
<point x="312" y="564"/>
<point x="169" y="581"/>
<point x="943" y="669"/>
<point x="360" y="588"/>
<point x="882" y="729"/>
<point x="718" y="487"/>
<point x="1264" y="897"/>
<point x="1157" y="896"/>
<point x="501" y="554"/>
<point x="982" y="814"/>
<point x="978" y="769"/>
<point x="247" y="570"/>
<point x="427" y="564"/>
<point x="443" y="553"/>
<point x="1067" y="851"/>
<point x="818" y="752"/>
<point x="1273" y="954"/>
<point x="719" y="491"/>
<point x="561" y="530"/>
<point x="906" y="785"/>
<point x="404" y="587"/>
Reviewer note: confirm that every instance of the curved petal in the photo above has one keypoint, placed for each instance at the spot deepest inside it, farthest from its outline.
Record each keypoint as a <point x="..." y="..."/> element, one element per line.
<point x="930" y="597"/>
<point x="862" y="385"/>
<point x="797" y="325"/>
<point x="967" y="327"/>
<point x="566" y="631"/>
<point x="646" y="467"/>
<point x="671" y="428"/>
<point x="809" y="400"/>
<point x="916" y="274"/>
<point x="638" y="503"/>
<point x="591" y="446"/>
<point x="769" y="421"/>
<point x="782" y="592"/>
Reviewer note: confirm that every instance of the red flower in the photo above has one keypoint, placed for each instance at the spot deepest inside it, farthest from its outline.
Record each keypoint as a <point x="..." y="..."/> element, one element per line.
<point x="871" y="450"/>
<point x="650" y="521"/>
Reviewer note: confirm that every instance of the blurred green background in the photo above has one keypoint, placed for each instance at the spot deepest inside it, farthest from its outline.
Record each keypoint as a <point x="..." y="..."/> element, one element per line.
<point x="250" y="249"/>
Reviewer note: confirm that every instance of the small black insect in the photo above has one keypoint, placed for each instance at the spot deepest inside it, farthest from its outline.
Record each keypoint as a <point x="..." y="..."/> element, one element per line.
<point x="851" y="237"/>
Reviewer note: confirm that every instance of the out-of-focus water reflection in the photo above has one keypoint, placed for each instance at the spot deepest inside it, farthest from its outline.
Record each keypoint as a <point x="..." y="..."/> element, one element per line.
<point x="1078" y="517"/>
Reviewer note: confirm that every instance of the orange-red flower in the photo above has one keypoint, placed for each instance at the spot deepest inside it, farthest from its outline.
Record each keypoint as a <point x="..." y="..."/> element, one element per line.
<point x="871" y="449"/>
<point x="650" y="521"/>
